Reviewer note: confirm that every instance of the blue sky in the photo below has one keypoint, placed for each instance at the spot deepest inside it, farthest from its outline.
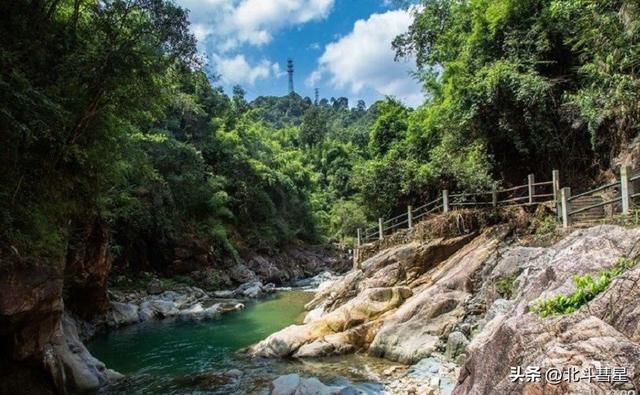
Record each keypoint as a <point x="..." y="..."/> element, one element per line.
<point x="342" y="47"/>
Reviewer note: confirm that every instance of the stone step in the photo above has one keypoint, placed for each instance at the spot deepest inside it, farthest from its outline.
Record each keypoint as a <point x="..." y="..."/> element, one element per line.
<point x="586" y="203"/>
<point x="592" y="214"/>
<point x="587" y="218"/>
<point x="587" y="198"/>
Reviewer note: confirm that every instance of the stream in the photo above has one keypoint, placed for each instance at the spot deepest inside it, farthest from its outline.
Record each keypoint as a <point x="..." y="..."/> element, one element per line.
<point x="186" y="357"/>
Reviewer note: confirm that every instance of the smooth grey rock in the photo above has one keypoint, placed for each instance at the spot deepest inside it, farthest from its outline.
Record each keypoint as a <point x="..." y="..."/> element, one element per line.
<point x="457" y="343"/>
<point x="285" y="385"/>
<point x="70" y="363"/>
<point x="122" y="314"/>
<point x="197" y="312"/>
<point x="146" y="312"/>
<point x="253" y="292"/>
<point x="226" y="294"/>
<point x="293" y="384"/>
<point x="155" y="287"/>
<point x="164" y="308"/>
<point x="157" y="308"/>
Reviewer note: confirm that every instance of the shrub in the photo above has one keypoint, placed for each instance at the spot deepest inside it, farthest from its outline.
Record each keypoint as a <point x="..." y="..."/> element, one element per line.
<point x="587" y="289"/>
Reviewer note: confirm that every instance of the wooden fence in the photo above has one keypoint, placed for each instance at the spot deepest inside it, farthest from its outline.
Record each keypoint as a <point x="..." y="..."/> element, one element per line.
<point x="531" y="193"/>
<point x="618" y="194"/>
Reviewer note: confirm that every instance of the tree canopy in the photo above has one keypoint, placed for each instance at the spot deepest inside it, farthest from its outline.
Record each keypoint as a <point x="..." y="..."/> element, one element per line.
<point x="107" y="113"/>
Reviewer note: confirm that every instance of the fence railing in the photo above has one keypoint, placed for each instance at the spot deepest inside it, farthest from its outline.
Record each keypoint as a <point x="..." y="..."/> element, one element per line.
<point x="528" y="194"/>
<point x="618" y="194"/>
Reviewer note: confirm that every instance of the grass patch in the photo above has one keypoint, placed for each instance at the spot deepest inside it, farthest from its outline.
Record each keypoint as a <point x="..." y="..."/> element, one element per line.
<point x="504" y="286"/>
<point x="588" y="289"/>
<point x="135" y="283"/>
<point x="126" y="283"/>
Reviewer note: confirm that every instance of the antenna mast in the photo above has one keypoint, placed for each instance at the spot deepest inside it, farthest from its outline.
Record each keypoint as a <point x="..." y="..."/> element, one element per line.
<point x="290" y="72"/>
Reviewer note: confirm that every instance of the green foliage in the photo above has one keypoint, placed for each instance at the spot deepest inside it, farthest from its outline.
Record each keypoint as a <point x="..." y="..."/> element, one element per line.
<point x="105" y="112"/>
<point x="504" y="285"/>
<point x="587" y="289"/>
<point x="313" y="128"/>
<point x="389" y="127"/>
<point x="74" y="82"/>
<point x="548" y="226"/>
<point x="538" y="84"/>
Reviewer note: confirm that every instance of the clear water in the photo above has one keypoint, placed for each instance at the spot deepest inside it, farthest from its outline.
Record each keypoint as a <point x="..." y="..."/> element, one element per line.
<point x="192" y="357"/>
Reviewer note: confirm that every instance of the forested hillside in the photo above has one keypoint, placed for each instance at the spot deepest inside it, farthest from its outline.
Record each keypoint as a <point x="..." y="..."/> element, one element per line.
<point x="108" y="117"/>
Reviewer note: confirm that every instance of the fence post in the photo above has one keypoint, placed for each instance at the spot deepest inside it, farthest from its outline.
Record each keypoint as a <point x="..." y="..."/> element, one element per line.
<point x="494" y="196"/>
<point x="555" y="177"/>
<point x="410" y="216"/>
<point x="532" y="181"/>
<point x="565" y="194"/>
<point x="359" y="238"/>
<point x="356" y="253"/>
<point x="380" y="229"/>
<point x="624" y="189"/>
<point x="445" y="201"/>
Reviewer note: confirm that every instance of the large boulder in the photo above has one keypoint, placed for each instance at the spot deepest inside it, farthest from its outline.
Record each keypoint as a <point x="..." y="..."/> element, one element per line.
<point x="368" y="306"/>
<point x="155" y="287"/>
<point x="157" y="308"/>
<point x="293" y="384"/>
<point x="397" y="266"/>
<point x="198" y="312"/>
<point x="122" y="314"/>
<point x="386" y="306"/>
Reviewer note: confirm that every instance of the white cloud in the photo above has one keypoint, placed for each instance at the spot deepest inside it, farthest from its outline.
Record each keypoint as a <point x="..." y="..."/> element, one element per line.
<point x="277" y="71"/>
<point x="364" y="59"/>
<point x="237" y="70"/>
<point x="314" y="77"/>
<point x="232" y="23"/>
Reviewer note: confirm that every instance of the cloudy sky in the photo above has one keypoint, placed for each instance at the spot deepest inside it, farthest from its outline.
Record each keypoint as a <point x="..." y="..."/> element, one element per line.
<point x="342" y="47"/>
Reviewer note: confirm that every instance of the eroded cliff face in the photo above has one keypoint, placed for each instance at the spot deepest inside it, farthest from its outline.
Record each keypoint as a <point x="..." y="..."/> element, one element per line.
<point x="86" y="271"/>
<point x="40" y="342"/>
<point x="466" y="300"/>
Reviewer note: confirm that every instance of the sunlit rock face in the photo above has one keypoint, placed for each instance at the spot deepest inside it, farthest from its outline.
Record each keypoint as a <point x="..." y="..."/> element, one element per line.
<point x="467" y="300"/>
<point x="602" y="334"/>
<point x="348" y="315"/>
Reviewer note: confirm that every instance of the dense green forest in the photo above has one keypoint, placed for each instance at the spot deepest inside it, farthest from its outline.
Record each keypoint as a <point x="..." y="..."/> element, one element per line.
<point x="107" y="115"/>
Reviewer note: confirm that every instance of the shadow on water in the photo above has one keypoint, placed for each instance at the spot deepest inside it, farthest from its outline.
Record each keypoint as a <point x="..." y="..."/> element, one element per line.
<point x="192" y="357"/>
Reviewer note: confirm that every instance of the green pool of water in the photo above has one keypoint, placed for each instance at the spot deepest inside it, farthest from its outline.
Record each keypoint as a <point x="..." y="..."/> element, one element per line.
<point x="188" y="346"/>
<point x="187" y="357"/>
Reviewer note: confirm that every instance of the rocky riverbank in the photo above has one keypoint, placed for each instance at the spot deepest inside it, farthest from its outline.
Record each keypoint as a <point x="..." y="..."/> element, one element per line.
<point x="48" y="308"/>
<point x="467" y="302"/>
<point x="192" y="303"/>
